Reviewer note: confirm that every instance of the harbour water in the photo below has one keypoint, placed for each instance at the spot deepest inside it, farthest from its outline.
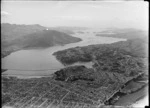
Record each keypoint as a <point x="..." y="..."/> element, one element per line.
<point x="42" y="62"/>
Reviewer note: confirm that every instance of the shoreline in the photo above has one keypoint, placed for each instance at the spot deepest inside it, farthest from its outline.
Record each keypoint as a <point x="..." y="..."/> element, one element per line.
<point x="134" y="97"/>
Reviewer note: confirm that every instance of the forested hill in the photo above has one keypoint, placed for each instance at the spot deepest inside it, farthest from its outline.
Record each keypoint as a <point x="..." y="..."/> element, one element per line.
<point x="45" y="38"/>
<point x="16" y="37"/>
<point x="133" y="47"/>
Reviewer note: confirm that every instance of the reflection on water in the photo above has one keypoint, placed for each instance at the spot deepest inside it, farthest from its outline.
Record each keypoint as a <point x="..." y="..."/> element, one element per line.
<point x="43" y="60"/>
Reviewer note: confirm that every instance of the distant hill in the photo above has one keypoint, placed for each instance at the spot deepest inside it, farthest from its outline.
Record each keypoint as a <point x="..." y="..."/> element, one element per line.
<point x="13" y="31"/>
<point x="68" y="30"/>
<point x="129" y="33"/>
<point x="16" y="37"/>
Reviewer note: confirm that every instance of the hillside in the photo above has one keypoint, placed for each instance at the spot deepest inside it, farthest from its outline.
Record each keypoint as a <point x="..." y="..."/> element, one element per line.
<point x="13" y="31"/>
<point x="16" y="37"/>
<point x="45" y="38"/>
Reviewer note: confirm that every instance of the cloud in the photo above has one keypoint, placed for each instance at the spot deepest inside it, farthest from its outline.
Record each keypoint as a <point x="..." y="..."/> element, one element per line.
<point x="4" y="13"/>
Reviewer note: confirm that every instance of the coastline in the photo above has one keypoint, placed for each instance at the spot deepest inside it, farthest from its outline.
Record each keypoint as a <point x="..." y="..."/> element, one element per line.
<point x="133" y="98"/>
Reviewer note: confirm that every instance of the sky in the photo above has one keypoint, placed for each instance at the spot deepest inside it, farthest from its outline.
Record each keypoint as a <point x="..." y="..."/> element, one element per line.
<point x="76" y="13"/>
